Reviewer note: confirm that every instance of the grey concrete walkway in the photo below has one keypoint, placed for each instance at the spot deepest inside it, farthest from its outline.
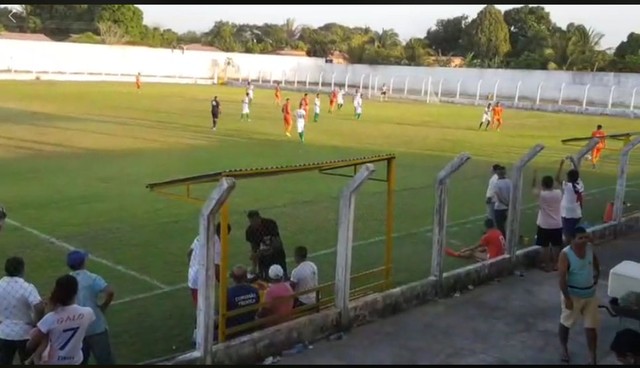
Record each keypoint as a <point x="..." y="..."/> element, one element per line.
<point x="509" y="322"/>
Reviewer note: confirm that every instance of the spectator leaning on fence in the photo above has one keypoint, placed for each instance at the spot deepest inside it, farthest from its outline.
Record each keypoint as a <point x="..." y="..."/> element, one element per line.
<point x="489" y="197"/>
<point x="501" y="194"/>
<point x="549" y="221"/>
<point x="278" y="298"/>
<point x="90" y="288"/>
<point x="63" y="328"/>
<point x="19" y="301"/>
<point x="572" y="200"/>
<point x="626" y="346"/>
<point x="578" y="271"/>
<point x="304" y="277"/>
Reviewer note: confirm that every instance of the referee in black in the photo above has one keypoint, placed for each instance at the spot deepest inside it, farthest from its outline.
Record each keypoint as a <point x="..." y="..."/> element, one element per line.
<point x="215" y="112"/>
<point x="267" y="248"/>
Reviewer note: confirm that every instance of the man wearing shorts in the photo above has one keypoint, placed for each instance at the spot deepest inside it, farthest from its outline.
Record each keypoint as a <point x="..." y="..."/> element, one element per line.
<point x="579" y="270"/>
<point x="549" y="222"/>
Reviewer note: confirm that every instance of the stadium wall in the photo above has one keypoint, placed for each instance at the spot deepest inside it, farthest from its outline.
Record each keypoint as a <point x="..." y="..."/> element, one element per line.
<point x="585" y="92"/>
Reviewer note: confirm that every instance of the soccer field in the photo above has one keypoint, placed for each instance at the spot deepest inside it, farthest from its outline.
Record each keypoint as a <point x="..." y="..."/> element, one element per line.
<point x="75" y="159"/>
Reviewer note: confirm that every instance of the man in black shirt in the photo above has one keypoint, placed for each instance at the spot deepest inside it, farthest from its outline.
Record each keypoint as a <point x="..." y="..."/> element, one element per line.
<point x="266" y="245"/>
<point x="215" y="111"/>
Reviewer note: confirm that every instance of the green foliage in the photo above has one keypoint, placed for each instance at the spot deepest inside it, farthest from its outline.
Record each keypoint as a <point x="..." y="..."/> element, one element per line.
<point x="446" y="37"/>
<point x="487" y="35"/>
<point x="523" y="37"/>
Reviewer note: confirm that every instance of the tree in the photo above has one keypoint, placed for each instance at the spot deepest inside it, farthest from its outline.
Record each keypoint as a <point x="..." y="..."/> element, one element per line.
<point x="446" y="37"/>
<point x="415" y="51"/>
<point x="111" y="33"/>
<point x="583" y="48"/>
<point x="60" y="21"/>
<point x="630" y="47"/>
<point x="529" y="30"/>
<point x="487" y="35"/>
<point x="221" y="36"/>
<point x="189" y="37"/>
<point x="128" y="18"/>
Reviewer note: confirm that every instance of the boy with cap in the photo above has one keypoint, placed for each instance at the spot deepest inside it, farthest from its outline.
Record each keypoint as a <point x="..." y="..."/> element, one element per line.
<point x="90" y="286"/>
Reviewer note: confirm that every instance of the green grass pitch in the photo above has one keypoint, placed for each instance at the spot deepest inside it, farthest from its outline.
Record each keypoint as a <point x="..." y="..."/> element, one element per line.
<point x="75" y="159"/>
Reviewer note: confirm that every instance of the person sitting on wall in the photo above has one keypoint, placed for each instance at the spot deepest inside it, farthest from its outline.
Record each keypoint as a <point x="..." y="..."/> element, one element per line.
<point x="491" y="245"/>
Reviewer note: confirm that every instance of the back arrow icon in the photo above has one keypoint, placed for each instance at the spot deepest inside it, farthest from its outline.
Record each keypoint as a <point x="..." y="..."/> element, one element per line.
<point x="10" y="14"/>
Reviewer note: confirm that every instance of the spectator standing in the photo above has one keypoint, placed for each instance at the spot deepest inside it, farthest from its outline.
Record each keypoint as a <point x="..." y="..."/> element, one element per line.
<point x="304" y="277"/>
<point x="241" y="295"/>
<point x="194" y="261"/>
<point x="90" y="288"/>
<point x="19" y="300"/>
<point x="626" y="346"/>
<point x="489" y="197"/>
<point x="501" y="194"/>
<point x="579" y="270"/>
<point x="549" y="221"/>
<point x="278" y="298"/>
<point x="267" y="248"/>
<point x="63" y="328"/>
<point x="572" y="201"/>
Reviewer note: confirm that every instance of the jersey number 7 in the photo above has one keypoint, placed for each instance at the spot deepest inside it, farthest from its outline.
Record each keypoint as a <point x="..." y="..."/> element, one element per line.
<point x="71" y="333"/>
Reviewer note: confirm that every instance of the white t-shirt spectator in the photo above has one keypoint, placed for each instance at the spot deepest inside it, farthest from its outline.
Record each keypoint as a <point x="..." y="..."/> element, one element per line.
<point x="17" y="299"/>
<point x="492" y="181"/>
<point x="194" y="265"/>
<point x="570" y="205"/>
<point x="549" y="213"/>
<point x="305" y="277"/>
<point x="66" y="328"/>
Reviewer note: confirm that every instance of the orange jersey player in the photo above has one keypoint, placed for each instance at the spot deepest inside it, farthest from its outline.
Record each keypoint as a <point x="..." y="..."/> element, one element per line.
<point x="497" y="116"/>
<point x="305" y="105"/>
<point x="332" y="100"/>
<point x="597" y="150"/>
<point x="286" y="115"/>
<point x="138" y="82"/>
<point x="278" y="95"/>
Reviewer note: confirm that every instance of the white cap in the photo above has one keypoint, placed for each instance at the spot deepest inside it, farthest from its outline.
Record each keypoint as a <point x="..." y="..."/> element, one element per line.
<point x="276" y="272"/>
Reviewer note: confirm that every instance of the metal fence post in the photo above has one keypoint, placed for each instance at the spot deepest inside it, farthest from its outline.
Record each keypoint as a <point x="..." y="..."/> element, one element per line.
<point x="458" y="89"/>
<point x="284" y="78"/>
<point x="633" y="99"/>
<point x="440" y="89"/>
<point x="440" y="215"/>
<point x="586" y="94"/>
<point x="206" y="281"/>
<point x="333" y="80"/>
<point x="429" y="91"/>
<point x="424" y="81"/>
<point x="513" y="214"/>
<point x="611" y="97"/>
<point x="576" y="160"/>
<point x="295" y="80"/>
<point x="307" y="83"/>
<point x="621" y="185"/>
<point x="495" y="90"/>
<point x="390" y="86"/>
<point x="515" y="100"/>
<point x="406" y="86"/>
<point x="370" y="83"/>
<point x="320" y="81"/>
<point x="561" y="93"/>
<point x="345" y="242"/>
<point x="538" y="94"/>
<point x="346" y="81"/>
<point x="478" y="91"/>
<point x="362" y="82"/>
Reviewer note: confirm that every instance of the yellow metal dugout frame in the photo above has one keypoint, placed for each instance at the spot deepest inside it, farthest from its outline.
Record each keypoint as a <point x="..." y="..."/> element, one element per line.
<point x="324" y="167"/>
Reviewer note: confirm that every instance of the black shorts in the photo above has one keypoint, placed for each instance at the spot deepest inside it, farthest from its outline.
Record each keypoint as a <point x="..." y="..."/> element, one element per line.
<point x="569" y="226"/>
<point x="215" y="115"/>
<point x="549" y="237"/>
<point x="384" y="93"/>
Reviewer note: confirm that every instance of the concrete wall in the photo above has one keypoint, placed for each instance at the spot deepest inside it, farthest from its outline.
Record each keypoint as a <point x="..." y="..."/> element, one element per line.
<point x="259" y="345"/>
<point x="605" y="90"/>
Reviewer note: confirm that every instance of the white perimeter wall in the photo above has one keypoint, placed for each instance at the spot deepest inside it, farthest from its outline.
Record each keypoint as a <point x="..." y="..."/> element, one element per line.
<point x="606" y="90"/>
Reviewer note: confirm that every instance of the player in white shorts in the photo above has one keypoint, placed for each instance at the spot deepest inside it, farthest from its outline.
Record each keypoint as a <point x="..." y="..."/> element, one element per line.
<point x="250" y="91"/>
<point x="300" y="116"/>
<point x="316" y="109"/>
<point x="358" y="107"/>
<point x="245" y="108"/>
<point x="340" y="99"/>
<point x="63" y="328"/>
<point x="486" y="117"/>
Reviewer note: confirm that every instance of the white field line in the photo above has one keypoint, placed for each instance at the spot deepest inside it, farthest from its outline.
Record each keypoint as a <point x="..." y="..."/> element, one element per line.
<point x="453" y="226"/>
<point x="61" y="244"/>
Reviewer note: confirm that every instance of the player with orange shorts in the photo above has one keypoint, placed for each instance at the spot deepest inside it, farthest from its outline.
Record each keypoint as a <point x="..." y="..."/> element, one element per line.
<point x="332" y="100"/>
<point x="305" y="106"/>
<point x="138" y="82"/>
<point x="496" y="119"/>
<point x="597" y="150"/>
<point x="278" y="95"/>
<point x="286" y="115"/>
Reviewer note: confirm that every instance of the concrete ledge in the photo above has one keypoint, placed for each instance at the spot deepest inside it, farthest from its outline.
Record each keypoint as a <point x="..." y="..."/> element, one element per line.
<point x="262" y="344"/>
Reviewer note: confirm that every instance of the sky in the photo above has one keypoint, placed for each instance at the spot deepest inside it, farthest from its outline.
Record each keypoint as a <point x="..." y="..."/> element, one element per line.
<point x="615" y="21"/>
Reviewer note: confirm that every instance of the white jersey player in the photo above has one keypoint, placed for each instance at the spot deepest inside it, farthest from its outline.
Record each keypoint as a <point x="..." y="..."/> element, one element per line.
<point x="486" y="117"/>
<point x="250" y="91"/>
<point x="358" y="108"/>
<point x="316" y="108"/>
<point x="245" y="108"/>
<point x="300" y="118"/>
<point x="383" y="94"/>
<point x="340" y="98"/>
